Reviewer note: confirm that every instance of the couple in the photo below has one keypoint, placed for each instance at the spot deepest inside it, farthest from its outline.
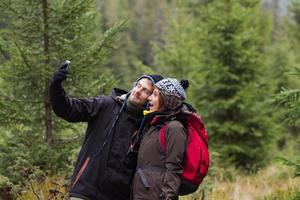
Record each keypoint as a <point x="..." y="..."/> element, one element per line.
<point x="109" y="167"/>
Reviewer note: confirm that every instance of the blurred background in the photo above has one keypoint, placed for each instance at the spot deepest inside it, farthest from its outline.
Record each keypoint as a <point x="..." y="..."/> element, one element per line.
<point x="242" y="58"/>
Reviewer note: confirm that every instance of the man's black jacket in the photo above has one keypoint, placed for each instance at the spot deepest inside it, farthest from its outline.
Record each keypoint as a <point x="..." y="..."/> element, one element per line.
<point x="102" y="172"/>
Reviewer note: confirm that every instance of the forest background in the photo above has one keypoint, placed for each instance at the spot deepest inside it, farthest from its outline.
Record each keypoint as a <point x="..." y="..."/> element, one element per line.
<point x="242" y="58"/>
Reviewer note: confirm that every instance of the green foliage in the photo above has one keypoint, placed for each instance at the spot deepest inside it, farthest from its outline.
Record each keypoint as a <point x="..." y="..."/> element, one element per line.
<point x="234" y="55"/>
<point x="288" y="96"/>
<point x="292" y="194"/>
<point x="180" y="53"/>
<point x="25" y="154"/>
<point x="219" y="49"/>
<point x="45" y="187"/>
<point x="238" y="122"/>
<point x="146" y="23"/>
<point x="4" y="181"/>
<point x="40" y="35"/>
<point x="295" y="165"/>
<point x="294" y="26"/>
<point x="281" y="60"/>
<point x="290" y="100"/>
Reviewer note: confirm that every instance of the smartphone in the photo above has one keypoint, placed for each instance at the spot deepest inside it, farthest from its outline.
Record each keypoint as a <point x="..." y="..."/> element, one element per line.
<point x="66" y="65"/>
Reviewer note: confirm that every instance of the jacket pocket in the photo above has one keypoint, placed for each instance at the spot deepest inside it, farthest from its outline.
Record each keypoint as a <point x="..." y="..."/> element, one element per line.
<point x="148" y="183"/>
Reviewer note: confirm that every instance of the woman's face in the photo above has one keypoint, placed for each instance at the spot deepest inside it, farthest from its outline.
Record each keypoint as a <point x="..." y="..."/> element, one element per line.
<point x="154" y="100"/>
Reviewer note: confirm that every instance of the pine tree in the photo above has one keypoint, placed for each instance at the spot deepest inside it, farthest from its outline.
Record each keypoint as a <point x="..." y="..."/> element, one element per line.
<point x="288" y="88"/>
<point x="290" y="98"/>
<point x="145" y="24"/>
<point x="232" y="93"/>
<point x="40" y="35"/>
<point x="38" y="39"/>
<point x="180" y="53"/>
<point x="218" y="46"/>
<point x="281" y="57"/>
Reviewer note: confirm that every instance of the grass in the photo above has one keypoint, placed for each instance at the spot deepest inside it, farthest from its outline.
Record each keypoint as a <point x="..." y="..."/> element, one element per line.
<point x="275" y="182"/>
<point x="53" y="188"/>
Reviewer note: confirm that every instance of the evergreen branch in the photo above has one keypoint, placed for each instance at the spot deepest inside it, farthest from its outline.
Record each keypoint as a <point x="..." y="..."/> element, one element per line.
<point x="3" y="97"/>
<point x="5" y="55"/>
<point x="294" y="164"/>
<point x="107" y="41"/>
<point x="70" y="12"/>
<point x="285" y="97"/>
<point x="14" y="12"/>
<point x="296" y="72"/>
<point x="67" y="140"/>
<point x="23" y="55"/>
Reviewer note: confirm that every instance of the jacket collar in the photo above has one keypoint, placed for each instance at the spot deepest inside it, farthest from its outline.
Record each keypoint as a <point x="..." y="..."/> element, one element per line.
<point x="181" y="113"/>
<point x="118" y="94"/>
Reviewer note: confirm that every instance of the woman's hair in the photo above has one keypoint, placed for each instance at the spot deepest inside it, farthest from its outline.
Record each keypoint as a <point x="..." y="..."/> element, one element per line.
<point x="161" y="103"/>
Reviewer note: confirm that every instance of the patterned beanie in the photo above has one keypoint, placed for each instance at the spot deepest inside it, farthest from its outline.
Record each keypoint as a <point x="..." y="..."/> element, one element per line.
<point x="172" y="91"/>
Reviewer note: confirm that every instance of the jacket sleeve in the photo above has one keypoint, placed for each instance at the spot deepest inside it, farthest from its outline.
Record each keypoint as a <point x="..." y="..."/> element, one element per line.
<point x="72" y="109"/>
<point x="175" y="148"/>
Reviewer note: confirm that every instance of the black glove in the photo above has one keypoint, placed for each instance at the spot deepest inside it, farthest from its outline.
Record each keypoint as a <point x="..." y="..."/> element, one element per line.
<point x="60" y="75"/>
<point x="56" y="91"/>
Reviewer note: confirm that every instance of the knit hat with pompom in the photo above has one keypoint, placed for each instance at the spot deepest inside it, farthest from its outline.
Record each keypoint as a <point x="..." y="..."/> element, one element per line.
<point x="172" y="91"/>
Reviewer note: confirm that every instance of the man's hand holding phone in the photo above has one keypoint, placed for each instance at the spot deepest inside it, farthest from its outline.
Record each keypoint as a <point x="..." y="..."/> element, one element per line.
<point x="61" y="73"/>
<point x="66" y="65"/>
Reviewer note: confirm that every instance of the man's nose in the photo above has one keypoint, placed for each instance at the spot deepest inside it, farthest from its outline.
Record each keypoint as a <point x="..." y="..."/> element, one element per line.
<point x="139" y="90"/>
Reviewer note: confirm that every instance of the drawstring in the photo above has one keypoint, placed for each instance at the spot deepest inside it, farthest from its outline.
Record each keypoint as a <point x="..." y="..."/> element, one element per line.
<point x="111" y="128"/>
<point x="135" y="139"/>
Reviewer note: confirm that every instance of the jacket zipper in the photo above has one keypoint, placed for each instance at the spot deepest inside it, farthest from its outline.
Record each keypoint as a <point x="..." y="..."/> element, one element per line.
<point x="81" y="171"/>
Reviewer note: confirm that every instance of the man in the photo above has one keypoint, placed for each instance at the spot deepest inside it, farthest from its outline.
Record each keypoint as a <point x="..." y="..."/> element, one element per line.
<point x="104" y="169"/>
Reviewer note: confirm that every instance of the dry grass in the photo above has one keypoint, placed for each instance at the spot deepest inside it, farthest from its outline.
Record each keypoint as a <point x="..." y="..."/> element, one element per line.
<point x="51" y="188"/>
<point x="273" y="182"/>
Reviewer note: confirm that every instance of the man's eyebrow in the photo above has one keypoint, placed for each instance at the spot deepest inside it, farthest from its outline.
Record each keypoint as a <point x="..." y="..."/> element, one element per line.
<point x="145" y="88"/>
<point x="148" y="90"/>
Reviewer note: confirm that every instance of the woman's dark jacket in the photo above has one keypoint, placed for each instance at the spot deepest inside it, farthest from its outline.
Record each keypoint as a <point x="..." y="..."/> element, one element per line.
<point x="158" y="171"/>
<point x="99" y="174"/>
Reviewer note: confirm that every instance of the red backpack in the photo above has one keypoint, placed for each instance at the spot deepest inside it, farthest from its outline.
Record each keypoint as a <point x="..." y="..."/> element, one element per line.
<point x="196" y="161"/>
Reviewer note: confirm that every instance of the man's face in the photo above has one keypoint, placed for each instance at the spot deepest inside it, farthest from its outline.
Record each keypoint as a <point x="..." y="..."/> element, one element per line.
<point x="141" y="91"/>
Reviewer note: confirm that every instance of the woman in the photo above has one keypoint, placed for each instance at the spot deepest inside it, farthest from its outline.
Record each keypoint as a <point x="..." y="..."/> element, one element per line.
<point x="158" y="171"/>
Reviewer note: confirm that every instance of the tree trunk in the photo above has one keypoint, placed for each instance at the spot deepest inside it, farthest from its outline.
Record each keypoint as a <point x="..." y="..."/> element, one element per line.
<point x="5" y="193"/>
<point x="276" y="10"/>
<point x="47" y="106"/>
<point x="48" y="119"/>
